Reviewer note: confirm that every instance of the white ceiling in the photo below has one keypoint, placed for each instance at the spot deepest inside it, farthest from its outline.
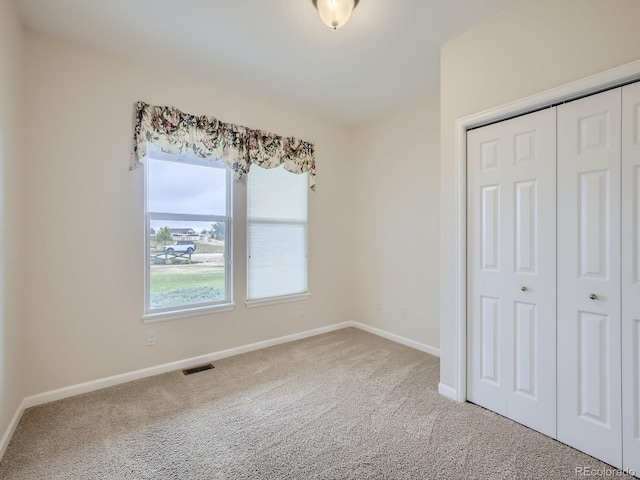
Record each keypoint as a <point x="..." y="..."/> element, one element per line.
<point x="280" y="50"/>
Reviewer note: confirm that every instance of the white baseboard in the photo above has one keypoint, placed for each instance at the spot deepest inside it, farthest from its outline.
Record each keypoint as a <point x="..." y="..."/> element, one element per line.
<point x="86" y="387"/>
<point x="59" y="394"/>
<point x="423" y="347"/>
<point x="447" y="391"/>
<point x="11" y="428"/>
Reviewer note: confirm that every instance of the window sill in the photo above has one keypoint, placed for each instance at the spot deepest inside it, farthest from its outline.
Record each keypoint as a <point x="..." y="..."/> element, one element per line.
<point x="261" y="302"/>
<point x="191" y="312"/>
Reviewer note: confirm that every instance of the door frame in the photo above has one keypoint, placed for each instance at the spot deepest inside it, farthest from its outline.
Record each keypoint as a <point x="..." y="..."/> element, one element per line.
<point x="608" y="79"/>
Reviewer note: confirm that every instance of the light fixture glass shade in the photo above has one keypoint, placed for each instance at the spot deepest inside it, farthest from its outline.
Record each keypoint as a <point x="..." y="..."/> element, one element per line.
<point x="335" y="13"/>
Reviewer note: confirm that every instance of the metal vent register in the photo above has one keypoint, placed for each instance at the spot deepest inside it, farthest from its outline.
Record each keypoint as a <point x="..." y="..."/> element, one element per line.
<point x="201" y="368"/>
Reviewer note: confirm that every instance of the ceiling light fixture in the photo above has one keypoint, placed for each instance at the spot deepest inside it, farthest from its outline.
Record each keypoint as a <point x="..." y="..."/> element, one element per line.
<point x="335" y="13"/>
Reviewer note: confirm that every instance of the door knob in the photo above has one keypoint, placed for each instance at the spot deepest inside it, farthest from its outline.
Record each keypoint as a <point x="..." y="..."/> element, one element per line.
<point x="593" y="296"/>
<point x="523" y="288"/>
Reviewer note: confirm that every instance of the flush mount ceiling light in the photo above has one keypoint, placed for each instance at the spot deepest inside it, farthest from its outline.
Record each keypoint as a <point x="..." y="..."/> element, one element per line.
<point x="335" y="13"/>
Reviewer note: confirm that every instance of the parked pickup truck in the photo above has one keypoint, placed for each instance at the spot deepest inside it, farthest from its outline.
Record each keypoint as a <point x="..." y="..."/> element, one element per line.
<point x="181" y="246"/>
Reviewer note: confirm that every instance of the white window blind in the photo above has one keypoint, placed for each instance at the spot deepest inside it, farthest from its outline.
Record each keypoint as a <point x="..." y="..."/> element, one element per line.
<point x="277" y="233"/>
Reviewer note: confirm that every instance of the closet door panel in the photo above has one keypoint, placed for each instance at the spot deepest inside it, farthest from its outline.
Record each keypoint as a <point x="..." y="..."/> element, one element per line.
<point x="589" y="313"/>
<point x="531" y="321"/>
<point x="631" y="276"/>
<point x="511" y="269"/>
<point x="486" y="264"/>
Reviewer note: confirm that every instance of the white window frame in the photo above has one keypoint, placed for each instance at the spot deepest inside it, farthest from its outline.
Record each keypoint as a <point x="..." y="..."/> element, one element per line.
<point x="259" y="302"/>
<point x="183" y="311"/>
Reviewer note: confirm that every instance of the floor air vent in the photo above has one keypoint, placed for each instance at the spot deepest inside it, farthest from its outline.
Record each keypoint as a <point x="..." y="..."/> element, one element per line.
<point x="201" y="368"/>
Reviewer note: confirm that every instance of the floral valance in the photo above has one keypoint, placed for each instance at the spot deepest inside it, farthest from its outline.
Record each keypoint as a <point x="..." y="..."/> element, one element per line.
<point x="239" y="147"/>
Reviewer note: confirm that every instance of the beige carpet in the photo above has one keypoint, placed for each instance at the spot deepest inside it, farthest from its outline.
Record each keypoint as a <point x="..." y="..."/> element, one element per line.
<point x="344" y="405"/>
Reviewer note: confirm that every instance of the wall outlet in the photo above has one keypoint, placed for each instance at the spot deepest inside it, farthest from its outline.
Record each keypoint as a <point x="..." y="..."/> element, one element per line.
<point x="403" y="311"/>
<point x="379" y="305"/>
<point x="151" y="338"/>
<point x="301" y="312"/>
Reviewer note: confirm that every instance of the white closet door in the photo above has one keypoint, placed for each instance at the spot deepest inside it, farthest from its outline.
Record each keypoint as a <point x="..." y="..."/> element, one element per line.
<point x="631" y="276"/>
<point x="589" y="378"/>
<point x="512" y="269"/>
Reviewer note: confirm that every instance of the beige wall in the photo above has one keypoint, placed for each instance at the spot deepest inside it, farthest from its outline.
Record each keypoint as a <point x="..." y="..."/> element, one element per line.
<point x="374" y="225"/>
<point x="85" y="219"/>
<point x="530" y="48"/>
<point x="397" y="234"/>
<point x="12" y="326"/>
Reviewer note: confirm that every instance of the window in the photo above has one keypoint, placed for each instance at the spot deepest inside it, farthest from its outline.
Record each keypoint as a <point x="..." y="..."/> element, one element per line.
<point x="276" y="235"/>
<point x="188" y="235"/>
